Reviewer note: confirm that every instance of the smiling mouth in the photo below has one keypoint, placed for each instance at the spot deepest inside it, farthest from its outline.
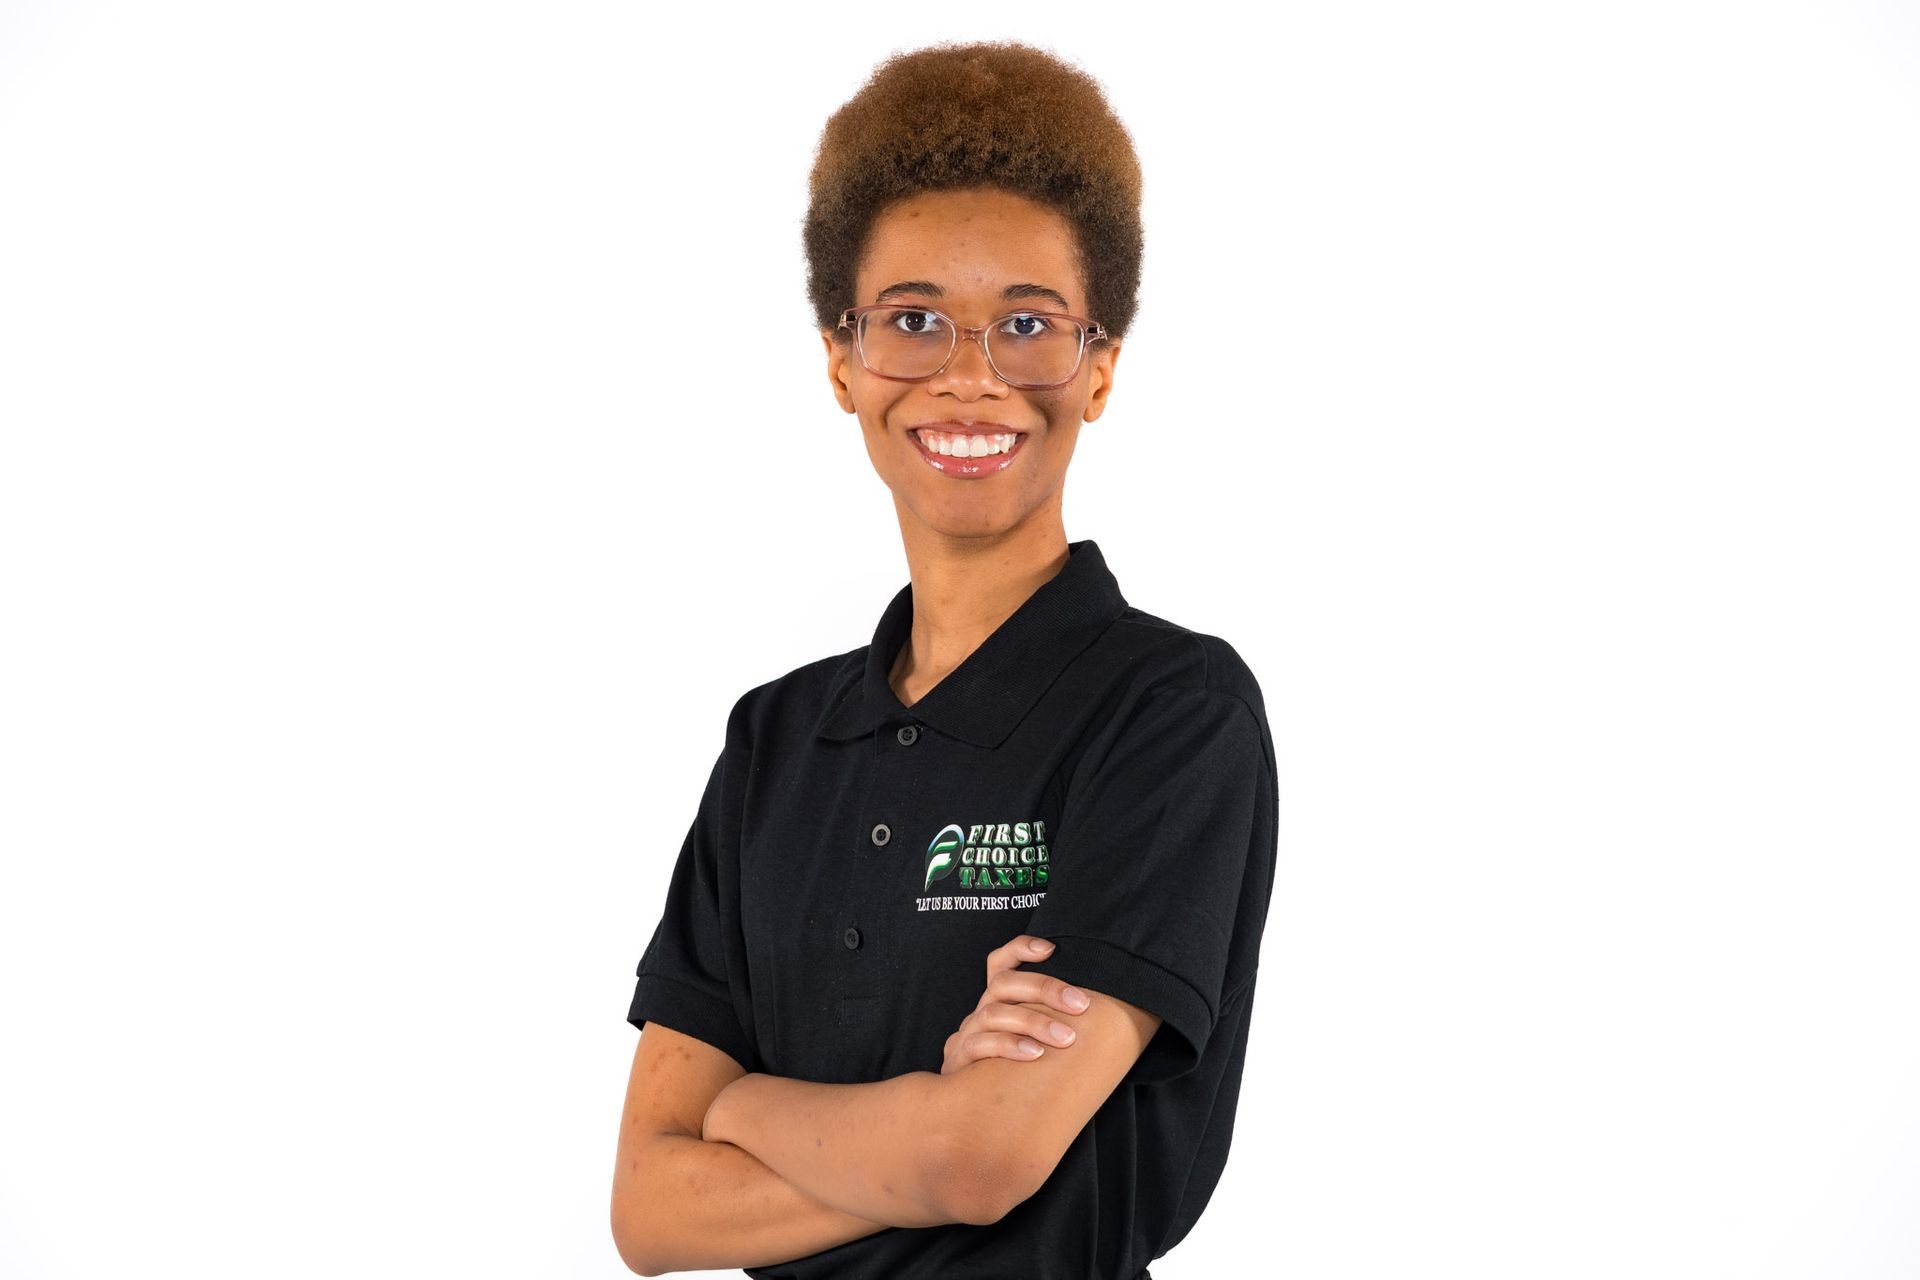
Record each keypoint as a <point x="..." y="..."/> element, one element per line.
<point x="968" y="454"/>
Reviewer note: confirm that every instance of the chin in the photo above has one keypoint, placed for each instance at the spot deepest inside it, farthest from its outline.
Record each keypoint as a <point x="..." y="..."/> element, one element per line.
<point x="959" y="520"/>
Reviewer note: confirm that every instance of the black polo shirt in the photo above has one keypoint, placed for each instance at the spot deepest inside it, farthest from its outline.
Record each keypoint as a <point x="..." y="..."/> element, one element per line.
<point x="1091" y="774"/>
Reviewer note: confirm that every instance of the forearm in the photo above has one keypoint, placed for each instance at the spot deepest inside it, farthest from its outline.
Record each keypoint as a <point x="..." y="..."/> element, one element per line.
<point x="869" y="1150"/>
<point x="712" y="1206"/>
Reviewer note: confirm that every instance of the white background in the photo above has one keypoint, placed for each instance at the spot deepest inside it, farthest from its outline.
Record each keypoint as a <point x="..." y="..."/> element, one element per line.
<point x="1528" y="392"/>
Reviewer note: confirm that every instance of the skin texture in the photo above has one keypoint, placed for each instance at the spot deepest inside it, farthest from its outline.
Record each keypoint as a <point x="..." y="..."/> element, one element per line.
<point x="1059" y="1092"/>
<point x="719" y="1167"/>
<point x="684" y="1204"/>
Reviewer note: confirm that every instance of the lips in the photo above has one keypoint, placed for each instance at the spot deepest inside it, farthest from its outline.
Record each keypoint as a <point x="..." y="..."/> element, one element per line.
<point x="966" y="467"/>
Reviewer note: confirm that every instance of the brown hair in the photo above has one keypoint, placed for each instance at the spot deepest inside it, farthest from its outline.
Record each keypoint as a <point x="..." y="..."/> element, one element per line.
<point x="991" y="113"/>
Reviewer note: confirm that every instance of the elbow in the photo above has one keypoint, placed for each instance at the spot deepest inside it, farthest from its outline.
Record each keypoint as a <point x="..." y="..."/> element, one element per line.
<point x="976" y="1178"/>
<point x="631" y="1240"/>
<point x="980" y="1209"/>
<point x="639" y="1226"/>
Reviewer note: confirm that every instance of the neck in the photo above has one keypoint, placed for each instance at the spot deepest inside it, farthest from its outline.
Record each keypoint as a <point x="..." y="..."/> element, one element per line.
<point x="963" y="589"/>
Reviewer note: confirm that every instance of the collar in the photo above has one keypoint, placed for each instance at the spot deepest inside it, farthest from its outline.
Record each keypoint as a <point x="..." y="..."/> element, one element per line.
<point x="982" y="699"/>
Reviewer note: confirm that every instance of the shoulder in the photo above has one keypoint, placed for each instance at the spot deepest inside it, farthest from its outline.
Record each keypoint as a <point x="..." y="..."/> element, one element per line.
<point x="774" y="710"/>
<point x="1160" y="698"/>
<point x="1152" y="655"/>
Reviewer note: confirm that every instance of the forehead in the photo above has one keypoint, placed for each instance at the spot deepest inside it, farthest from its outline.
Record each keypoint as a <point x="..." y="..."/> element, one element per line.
<point x="973" y="244"/>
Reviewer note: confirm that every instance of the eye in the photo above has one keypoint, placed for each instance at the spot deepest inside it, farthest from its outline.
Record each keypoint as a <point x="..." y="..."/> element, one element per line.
<point x="909" y="320"/>
<point x="1027" y="324"/>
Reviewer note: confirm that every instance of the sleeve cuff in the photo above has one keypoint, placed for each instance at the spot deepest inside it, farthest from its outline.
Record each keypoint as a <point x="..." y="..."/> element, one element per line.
<point x="1187" y="1020"/>
<point x="692" y="1012"/>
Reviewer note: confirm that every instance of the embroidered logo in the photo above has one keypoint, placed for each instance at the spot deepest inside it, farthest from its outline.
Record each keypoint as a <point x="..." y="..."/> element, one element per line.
<point x="987" y="856"/>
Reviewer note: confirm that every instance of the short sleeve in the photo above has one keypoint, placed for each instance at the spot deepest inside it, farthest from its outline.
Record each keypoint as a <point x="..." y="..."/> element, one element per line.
<point x="687" y="978"/>
<point x="1149" y="862"/>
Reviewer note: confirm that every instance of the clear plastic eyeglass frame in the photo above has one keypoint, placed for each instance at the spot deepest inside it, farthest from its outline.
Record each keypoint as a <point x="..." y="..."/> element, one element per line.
<point x="1090" y="331"/>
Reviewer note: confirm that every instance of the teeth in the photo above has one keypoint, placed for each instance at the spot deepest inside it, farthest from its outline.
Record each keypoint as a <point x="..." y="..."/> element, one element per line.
<point x="963" y="445"/>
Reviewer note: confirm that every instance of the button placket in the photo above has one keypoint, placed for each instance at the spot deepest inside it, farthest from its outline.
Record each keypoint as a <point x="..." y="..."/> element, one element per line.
<point x="888" y="799"/>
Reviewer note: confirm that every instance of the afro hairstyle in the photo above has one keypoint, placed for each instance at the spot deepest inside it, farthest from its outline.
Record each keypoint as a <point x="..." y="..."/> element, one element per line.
<point x="989" y="113"/>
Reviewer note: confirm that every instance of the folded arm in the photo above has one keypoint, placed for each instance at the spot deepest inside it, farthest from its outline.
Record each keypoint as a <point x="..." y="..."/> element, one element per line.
<point x="907" y="1150"/>
<point x="681" y="1204"/>
<point x="877" y="1150"/>
<point x="718" y="1208"/>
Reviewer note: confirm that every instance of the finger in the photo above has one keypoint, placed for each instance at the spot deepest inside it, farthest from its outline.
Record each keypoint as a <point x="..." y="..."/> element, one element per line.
<point x="1041" y="1026"/>
<point x="1000" y="1044"/>
<point x="976" y="1049"/>
<point x="1017" y="950"/>
<point x="1017" y="986"/>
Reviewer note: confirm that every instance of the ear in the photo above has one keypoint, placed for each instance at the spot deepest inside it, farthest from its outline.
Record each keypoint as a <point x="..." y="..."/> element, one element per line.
<point x="1101" y="382"/>
<point x="839" y="369"/>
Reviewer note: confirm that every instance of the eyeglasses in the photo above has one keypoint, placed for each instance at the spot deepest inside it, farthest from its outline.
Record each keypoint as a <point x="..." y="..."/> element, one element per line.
<point x="1027" y="349"/>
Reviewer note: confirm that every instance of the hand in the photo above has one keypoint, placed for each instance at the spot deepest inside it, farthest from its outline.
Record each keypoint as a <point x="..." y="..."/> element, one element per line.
<point x="999" y="1027"/>
<point x="710" y="1126"/>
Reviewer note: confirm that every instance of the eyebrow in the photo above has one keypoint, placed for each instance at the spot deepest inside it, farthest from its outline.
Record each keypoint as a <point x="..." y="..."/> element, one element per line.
<point x="1011" y="293"/>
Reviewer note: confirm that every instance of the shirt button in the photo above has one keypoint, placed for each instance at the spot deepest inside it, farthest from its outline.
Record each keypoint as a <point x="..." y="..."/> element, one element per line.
<point x="852" y="938"/>
<point x="907" y="734"/>
<point x="880" y="833"/>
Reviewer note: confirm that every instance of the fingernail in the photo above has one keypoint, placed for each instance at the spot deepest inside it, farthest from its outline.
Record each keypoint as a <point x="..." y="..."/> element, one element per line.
<point x="1031" y="1049"/>
<point x="1061" y="1032"/>
<point x="1075" y="997"/>
<point x="1041" y="944"/>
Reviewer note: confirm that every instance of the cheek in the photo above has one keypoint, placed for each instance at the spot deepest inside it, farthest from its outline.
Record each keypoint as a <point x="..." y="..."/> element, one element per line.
<point x="871" y="402"/>
<point x="1061" y="409"/>
<point x="874" y="410"/>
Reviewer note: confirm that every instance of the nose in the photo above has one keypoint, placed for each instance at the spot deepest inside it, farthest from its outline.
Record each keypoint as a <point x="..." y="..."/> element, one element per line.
<point x="969" y="366"/>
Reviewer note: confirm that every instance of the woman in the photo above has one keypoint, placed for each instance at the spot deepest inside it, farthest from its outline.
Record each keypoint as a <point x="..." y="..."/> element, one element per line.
<point x="1024" y="804"/>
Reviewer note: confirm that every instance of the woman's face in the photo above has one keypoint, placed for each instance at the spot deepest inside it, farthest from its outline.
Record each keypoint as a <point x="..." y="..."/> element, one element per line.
<point x="960" y="252"/>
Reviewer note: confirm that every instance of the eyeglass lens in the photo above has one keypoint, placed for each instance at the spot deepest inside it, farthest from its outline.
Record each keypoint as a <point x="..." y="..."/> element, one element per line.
<point x="1026" y="348"/>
